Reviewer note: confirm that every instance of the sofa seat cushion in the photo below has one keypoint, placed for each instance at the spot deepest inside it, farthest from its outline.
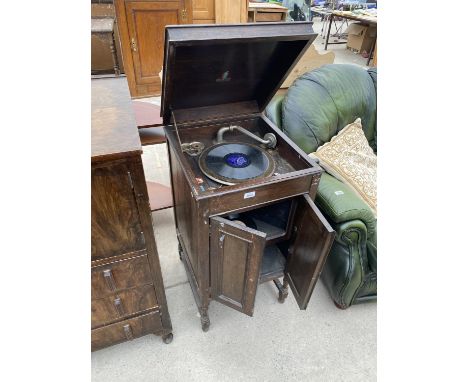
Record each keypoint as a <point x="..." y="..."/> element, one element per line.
<point x="349" y="158"/>
<point x="323" y="101"/>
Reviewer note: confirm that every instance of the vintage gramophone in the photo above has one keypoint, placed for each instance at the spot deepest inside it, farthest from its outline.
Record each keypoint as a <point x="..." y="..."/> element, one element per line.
<point x="243" y="191"/>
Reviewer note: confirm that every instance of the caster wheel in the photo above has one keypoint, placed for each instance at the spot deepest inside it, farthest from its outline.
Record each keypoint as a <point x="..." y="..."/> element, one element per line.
<point x="205" y="327"/>
<point x="167" y="339"/>
<point x="281" y="300"/>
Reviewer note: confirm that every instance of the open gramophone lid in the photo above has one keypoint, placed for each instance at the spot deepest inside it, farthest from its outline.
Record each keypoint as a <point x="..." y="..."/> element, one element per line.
<point x="231" y="163"/>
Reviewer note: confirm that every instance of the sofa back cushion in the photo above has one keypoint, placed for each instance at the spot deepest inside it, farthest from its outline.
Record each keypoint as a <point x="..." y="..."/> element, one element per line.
<point x="323" y="101"/>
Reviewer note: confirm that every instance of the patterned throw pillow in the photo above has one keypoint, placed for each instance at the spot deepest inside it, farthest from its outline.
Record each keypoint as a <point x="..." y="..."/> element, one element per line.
<point x="349" y="158"/>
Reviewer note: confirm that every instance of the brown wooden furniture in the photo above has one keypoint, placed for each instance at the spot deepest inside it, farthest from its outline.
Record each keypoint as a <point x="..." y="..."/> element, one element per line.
<point x="152" y="135"/>
<point x="146" y="114"/>
<point x="203" y="11"/>
<point x="266" y="12"/>
<point x="141" y="24"/>
<point x="230" y="11"/>
<point x="238" y="71"/>
<point x="151" y="132"/>
<point x="103" y="28"/>
<point x="127" y="291"/>
<point x="160" y="196"/>
<point x="101" y="56"/>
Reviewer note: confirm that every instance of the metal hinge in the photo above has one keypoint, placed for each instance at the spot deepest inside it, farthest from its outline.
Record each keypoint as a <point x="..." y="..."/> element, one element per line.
<point x="184" y="14"/>
<point x="133" y="44"/>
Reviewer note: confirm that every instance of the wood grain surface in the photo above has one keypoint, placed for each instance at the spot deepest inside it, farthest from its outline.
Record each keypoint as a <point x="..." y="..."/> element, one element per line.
<point x="113" y="126"/>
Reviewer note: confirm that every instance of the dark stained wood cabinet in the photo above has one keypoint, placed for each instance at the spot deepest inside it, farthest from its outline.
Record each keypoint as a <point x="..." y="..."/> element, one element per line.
<point x="127" y="291"/>
<point x="234" y="236"/>
<point x="114" y="213"/>
<point x="141" y="25"/>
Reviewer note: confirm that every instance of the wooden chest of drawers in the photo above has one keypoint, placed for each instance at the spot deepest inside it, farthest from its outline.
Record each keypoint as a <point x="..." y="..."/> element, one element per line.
<point x="127" y="291"/>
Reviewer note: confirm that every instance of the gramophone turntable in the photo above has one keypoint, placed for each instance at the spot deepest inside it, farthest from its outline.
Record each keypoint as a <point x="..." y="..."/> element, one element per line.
<point x="235" y="162"/>
<point x="243" y="191"/>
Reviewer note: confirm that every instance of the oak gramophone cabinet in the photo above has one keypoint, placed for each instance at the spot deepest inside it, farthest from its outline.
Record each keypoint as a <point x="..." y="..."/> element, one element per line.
<point x="243" y="191"/>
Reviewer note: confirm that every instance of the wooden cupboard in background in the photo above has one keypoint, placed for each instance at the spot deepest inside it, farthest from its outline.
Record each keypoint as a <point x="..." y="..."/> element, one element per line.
<point x="141" y="33"/>
<point x="141" y="25"/>
<point x="219" y="11"/>
<point x="203" y="11"/>
<point x="101" y="56"/>
<point x="231" y="11"/>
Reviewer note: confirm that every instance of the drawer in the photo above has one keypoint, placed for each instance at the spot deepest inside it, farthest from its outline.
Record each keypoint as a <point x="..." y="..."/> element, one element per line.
<point x="266" y="193"/>
<point x="114" y="277"/>
<point x="122" y="304"/>
<point x="268" y="16"/>
<point x="125" y="330"/>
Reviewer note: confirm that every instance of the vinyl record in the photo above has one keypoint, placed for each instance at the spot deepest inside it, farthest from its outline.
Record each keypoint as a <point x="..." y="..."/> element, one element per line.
<point x="231" y="163"/>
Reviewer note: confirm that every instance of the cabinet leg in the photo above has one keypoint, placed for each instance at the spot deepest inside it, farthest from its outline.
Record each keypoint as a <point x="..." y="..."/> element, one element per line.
<point x="282" y="290"/>
<point x="205" y="319"/>
<point x="167" y="339"/>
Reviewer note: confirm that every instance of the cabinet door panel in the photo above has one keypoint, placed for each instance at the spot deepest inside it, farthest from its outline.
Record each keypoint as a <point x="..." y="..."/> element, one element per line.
<point x="115" y="220"/>
<point x="236" y="258"/>
<point x="230" y="11"/>
<point x="309" y="250"/>
<point x="146" y="23"/>
<point x="203" y="10"/>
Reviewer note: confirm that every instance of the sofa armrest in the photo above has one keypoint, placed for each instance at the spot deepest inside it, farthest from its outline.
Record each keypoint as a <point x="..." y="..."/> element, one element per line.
<point x="346" y="270"/>
<point x="274" y="111"/>
<point x="341" y="204"/>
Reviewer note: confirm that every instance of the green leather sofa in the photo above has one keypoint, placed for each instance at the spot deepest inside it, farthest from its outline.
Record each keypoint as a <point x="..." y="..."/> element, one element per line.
<point x="316" y="107"/>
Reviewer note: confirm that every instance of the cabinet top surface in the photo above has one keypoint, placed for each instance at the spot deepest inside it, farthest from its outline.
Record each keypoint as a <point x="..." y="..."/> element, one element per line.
<point x="114" y="132"/>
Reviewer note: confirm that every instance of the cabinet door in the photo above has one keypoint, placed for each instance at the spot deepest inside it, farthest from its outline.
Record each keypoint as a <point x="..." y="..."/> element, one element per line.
<point x="146" y="21"/>
<point x="236" y="258"/>
<point x="231" y="11"/>
<point x="203" y="11"/>
<point x="313" y="237"/>
<point x="115" y="220"/>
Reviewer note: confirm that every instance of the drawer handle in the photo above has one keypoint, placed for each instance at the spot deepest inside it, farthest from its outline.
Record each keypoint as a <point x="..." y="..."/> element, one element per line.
<point x="109" y="277"/>
<point x="119" y="307"/>
<point x="128" y="332"/>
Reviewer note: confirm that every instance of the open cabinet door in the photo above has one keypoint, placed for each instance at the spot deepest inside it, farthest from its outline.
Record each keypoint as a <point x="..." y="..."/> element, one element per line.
<point x="236" y="258"/>
<point x="309" y="250"/>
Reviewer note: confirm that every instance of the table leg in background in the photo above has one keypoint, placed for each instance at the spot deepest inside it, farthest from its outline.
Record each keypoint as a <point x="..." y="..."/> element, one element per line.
<point x="371" y="51"/>
<point x="328" y="33"/>
<point x="114" y="55"/>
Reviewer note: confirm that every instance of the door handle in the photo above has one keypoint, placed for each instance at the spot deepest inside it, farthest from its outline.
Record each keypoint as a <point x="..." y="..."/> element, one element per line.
<point x="133" y="44"/>
<point x="119" y="307"/>
<point x="109" y="277"/>
<point x="128" y="332"/>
